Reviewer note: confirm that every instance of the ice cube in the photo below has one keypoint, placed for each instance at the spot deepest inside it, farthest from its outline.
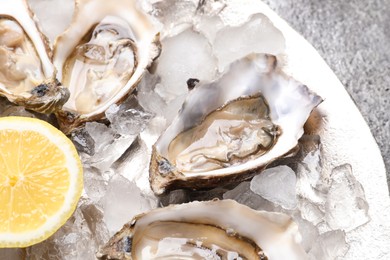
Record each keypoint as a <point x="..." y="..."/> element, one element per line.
<point x="209" y="26"/>
<point x="172" y="108"/>
<point x="258" y="35"/>
<point x="311" y="212"/>
<point x="153" y="131"/>
<point x="133" y="165"/>
<point x="109" y="146"/>
<point x="244" y="195"/>
<point x="146" y="93"/>
<point x="175" y="13"/>
<point x="95" y="183"/>
<point x="307" y="230"/>
<point x="186" y="55"/>
<point x="276" y="185"/>
<point x="346" y="205"/>
<point x="151" y="89"/>
<point x="329" y="246"/>
<point x="93" y="216"/>
<point x="101" y="135"/>
<point x="83" y="141"/>
<point x="104" y="159"/>
<point x="106" y="144"/>
<point x="122" y="201"/>
<point x="78" y="238"/>
<point x="211" y="7"/>
<point x="128" y="118"/>
<point x="310" y="184"/>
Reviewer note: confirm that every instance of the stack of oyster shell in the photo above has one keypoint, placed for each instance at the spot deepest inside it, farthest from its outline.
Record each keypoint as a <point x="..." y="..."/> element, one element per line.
<point x="222" y="127"/>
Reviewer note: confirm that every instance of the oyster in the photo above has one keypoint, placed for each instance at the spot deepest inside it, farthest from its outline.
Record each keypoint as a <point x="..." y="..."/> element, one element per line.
<point x="102" y="56"/>
<point x="217" y="229"/>
<point x="228" y="128"/>
<point x="27" y="75"/>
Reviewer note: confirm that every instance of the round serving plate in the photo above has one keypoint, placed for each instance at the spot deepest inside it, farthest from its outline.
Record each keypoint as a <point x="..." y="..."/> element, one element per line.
<point x="344" y="134"/>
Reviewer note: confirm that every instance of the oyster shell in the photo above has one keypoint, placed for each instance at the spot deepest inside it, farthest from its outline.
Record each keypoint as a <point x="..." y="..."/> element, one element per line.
<point x="206" y="230"/>
<point x="27" y="75"/>
<point x="228" y="128"/>
<point x="102" y="56"/>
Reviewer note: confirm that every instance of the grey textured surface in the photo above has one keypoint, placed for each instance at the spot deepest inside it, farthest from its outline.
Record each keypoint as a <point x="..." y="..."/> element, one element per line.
<point x="353" y="37"/>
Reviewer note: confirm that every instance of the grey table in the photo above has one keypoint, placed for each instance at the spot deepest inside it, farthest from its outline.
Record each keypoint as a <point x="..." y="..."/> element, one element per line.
<point x="353" y="36"/>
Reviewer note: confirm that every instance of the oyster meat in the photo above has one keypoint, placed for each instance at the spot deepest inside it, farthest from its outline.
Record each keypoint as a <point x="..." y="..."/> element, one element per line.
<point x="102" y="56"/>
<point x="228" y="128"/>
<point x="27" y="75"/>
<point x="220" y="229"/>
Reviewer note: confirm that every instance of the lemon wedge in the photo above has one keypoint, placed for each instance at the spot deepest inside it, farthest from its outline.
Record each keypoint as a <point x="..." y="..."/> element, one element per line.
<point x="40" y="180"/>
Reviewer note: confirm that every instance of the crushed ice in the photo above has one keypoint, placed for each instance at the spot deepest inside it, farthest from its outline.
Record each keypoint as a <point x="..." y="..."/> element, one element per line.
<point x="115" y="152"/>
<point x="277" y="185"/>
<point x="328" y="204"/>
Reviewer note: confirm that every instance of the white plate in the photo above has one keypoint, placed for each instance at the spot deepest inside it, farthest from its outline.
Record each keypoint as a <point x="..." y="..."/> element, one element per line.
<point x="345" y="135"/>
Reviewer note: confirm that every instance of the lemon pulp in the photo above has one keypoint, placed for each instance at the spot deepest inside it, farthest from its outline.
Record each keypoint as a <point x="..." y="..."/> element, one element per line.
<point x="40" y="180"/>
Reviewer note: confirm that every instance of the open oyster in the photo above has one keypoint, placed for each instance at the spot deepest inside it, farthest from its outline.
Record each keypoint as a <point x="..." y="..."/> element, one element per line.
<point x="206" y="230"/>
<point x="27" y="75"/>
<point x="226" y="129"/>
<point x="102" y="56"/>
